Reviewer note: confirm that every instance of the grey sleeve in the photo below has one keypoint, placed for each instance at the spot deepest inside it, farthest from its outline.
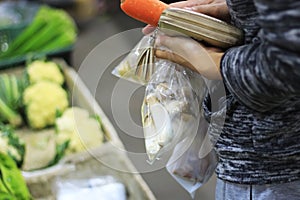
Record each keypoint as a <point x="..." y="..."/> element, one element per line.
<point x="266" y="72"/>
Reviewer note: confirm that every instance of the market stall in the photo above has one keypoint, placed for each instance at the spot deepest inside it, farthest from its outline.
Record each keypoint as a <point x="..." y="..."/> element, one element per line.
<point x="60" y="140"/>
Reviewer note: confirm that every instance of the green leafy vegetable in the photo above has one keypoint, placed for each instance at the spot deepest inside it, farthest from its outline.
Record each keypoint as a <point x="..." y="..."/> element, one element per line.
<point x="12" y="183"/>
<point x="50" y="29"/>
<point x="11" y="89"/>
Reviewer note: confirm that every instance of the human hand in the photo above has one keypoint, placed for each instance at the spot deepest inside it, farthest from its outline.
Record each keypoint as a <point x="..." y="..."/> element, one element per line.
<point x="214" y="8"/>
<point x="191" y="54"/>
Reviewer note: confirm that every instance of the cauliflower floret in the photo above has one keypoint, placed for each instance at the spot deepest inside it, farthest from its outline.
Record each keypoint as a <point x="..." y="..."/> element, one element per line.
<point x="42" y="101"/>
<point x="41" y="70"/>
<point x="8" y="149"/>
<point x="11" y="144"/>
<point x="82" y="130"/>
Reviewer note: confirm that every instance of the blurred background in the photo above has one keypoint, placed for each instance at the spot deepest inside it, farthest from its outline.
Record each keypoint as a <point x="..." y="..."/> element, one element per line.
<point x="98" y="21"/>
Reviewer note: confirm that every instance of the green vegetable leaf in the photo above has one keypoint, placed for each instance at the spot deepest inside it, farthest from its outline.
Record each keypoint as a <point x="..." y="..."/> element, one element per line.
<point x="3" y="188"/>
<point x="6" y="196"/>
<point x="58" y="113"/>
<point x="60" y="152"/>
<point x="50" y="29"/>
<point x="13" y="179"/>
<point x="11" y="90"/>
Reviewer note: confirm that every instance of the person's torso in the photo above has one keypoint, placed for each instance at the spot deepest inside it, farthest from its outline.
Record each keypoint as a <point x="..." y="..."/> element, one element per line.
<point x="256" y="147"/>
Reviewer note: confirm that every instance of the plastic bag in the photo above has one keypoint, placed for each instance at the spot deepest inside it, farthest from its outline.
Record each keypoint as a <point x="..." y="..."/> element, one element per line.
<point x="128" y="67"/>
<point x="105" y="188"/>
<point x="193" y="160"/>
<point x="171" y="108"/>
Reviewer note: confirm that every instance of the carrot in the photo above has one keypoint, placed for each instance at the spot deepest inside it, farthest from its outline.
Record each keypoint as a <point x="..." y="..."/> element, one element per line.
<point x="147" y="11"/>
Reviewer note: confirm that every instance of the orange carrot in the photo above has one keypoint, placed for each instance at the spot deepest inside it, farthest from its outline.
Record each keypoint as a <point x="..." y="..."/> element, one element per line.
<point x="147" y="11"/>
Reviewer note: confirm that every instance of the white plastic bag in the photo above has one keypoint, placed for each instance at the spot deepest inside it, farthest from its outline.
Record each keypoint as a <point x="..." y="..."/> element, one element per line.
<point x="193" y="160"/>
<point x="171" y="107"/>
<point x="105" y="188"/>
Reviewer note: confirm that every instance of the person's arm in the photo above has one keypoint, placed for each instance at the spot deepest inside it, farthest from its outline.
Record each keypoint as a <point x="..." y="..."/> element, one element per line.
<point x="266" y="73"/>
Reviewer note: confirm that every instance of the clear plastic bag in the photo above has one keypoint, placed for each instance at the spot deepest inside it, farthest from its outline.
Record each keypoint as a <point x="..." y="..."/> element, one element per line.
<point x="171" y="107"/>
<point x="193" y="160"/>
<point x="129" y="67"/>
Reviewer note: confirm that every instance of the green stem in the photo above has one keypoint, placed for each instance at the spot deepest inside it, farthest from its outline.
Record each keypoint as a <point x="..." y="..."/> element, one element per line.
<point x="36" y="42"/>
<point x="63" y="40"/>
<point x="24" y="37"/>
<point x="10" y="115"/>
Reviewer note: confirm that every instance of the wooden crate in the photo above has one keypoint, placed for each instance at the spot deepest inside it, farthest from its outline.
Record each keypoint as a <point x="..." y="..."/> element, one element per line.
<point x="100" y="161"/>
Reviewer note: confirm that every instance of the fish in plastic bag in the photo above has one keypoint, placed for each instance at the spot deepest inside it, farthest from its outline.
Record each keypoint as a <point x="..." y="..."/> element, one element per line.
<point x="170" y="108"/>
<point x="193" y="161"/>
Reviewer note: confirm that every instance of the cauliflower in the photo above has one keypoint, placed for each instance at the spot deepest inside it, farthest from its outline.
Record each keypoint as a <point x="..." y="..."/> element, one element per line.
<point x="43" y="100"/>
<point x="42" y="70"/>
<point x="40" y="147"/>
<point x="11" y="144"/>
<point x="80" y="129"/>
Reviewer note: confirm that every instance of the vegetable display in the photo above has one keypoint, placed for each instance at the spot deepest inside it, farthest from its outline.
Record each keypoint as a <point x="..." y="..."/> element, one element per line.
<point x="147" y="11"/>
<point x="39" y="126"/>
